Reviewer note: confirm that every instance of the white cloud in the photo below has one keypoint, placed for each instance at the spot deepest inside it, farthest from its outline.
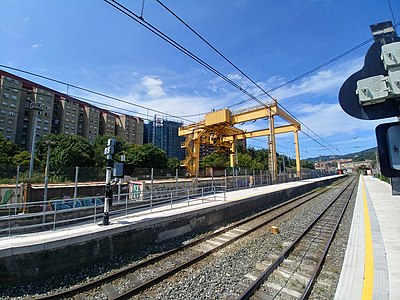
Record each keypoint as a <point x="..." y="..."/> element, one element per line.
<point x="329" y="119"/>
<point x="37" y="45"/>
<point x="326" y="81"/>
<point x="153" y="86"/>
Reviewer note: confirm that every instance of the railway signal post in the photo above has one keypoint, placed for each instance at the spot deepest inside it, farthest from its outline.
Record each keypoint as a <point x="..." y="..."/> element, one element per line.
<point x="374" y="93"/>
<point x="112" y="145"/>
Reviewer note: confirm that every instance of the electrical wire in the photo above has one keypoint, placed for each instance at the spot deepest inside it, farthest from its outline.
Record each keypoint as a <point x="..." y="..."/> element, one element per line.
<point x="391" y="11"/>
<point x="241" y="72"/>
<point x="95" y="93"/>
<point x="217" y="51"/>
<point x="178" y="46"/>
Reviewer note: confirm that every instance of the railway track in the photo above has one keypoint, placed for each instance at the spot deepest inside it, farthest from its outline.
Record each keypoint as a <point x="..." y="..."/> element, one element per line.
<point x="132" y="280"/>
<point x="293" y="273"/>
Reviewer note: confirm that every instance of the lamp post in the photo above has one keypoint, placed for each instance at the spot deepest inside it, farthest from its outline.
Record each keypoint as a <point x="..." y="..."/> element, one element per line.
<point x="36" y="107"/>
<point x="46" y="178"/>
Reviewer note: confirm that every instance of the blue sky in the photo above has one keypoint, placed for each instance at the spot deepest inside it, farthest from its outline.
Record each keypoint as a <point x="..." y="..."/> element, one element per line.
<point x="92" y="45"/>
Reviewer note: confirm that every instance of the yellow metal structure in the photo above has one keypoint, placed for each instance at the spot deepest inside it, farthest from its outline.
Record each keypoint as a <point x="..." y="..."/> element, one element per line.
<point x="218" y="129"/>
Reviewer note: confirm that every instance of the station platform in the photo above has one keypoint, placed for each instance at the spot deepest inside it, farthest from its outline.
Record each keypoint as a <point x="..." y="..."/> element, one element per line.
<point x="51" y="239"/>
<point x="371" y="269"/>
<point x="33" y="256"/>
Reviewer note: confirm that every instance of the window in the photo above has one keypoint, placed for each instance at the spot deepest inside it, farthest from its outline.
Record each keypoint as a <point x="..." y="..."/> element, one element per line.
<point x="10" y="121"/>
<point x="8" y="138"/>
<point x="14" y="97"/>
<point x="2" y="120"/>
<point x="46" y="121"/>
<point x="4" y="103"/>
<point x="6" y="95"/>
<point x="9" y="129"/>
<point x="45" y="128"/>
<point x="11" y="113"/>
<point x="40" y="98"/>
<point x="12" y="105"/>
<point x="1" y="128"/>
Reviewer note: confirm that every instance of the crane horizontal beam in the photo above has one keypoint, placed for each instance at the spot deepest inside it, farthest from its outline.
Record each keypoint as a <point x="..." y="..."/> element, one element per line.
<point x="258" y="133"/>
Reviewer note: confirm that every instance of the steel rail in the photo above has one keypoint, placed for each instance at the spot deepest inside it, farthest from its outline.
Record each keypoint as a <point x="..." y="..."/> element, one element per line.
<point x="255" y="285"/>
<point x="321" y="261"/>
<point x="123" y="272"/>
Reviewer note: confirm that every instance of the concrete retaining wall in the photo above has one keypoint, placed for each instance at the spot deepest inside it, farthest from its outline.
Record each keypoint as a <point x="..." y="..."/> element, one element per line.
<point x="41" y="264"/>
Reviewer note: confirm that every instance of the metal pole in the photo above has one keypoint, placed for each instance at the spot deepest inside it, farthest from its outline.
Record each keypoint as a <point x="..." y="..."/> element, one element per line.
<point x="46" y="180"/>
<point x="176" y="181"/>
<point x="119" y="188"/>
<point x="226" y="182"/>
<point x="151" y="184"/>
<point x="16" y="185"/>
<point x="109" y="151"/>
<point x="212" y="176"/>
<point x="33" y="142"/>
<point x="76" y="182"/>
<point x="108" y="196"/>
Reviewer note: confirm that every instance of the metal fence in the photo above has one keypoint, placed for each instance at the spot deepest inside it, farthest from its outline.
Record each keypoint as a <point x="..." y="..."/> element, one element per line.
<point x="170" y="191"/>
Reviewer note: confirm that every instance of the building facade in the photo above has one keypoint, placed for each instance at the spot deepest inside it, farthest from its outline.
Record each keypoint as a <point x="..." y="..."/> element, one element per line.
<point x="130" y="128"/>
<point x="28" y="109"/>
<point x="164" y="134"/>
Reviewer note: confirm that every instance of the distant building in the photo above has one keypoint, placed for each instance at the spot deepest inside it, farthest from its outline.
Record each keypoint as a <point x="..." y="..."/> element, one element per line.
<point x="130" y="128"/>
<point x="26" y="105"/>
<point x="164" y="134"/>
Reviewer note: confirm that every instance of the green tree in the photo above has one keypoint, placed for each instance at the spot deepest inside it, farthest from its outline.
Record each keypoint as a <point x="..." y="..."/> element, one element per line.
<point x="245" y="160"/>
<point x="146" y="156"/>
<point x="173" y="163"/>
<point x="7" y="150"/>
<point x="307" y="164"/>
<point x="22" y="158"/>
<point x="68" y="152"/>
<point x="215" y="160"/>
<point x="260" y="159"/>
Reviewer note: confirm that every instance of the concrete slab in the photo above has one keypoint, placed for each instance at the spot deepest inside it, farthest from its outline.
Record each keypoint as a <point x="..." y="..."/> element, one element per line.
<point x="384" y="221"/>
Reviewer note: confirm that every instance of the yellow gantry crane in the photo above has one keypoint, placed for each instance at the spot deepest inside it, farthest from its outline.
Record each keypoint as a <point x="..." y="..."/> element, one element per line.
<point x="218" y="129"/>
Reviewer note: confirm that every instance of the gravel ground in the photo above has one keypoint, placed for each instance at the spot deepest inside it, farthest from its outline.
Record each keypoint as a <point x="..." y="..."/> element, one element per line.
<point x="220" y="275"/>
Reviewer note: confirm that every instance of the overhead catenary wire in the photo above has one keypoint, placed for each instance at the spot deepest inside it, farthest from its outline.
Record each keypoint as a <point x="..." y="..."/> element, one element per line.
<point x="69" y="85"/>
<point x="246" y="76"/>
<point x="178" y="46"/>
<point x="216" y="50"/>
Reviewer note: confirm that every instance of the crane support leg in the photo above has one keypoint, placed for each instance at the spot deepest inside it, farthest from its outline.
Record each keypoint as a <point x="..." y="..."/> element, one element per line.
<point x="296" y="145"/>
<point x="272" y="148"/>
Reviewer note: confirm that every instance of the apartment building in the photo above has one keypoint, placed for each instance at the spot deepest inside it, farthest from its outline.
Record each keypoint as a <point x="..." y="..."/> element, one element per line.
<point x="164" y="134"/>
<point x="27" y="108"/>
<point x="130" y="128"/>
<point x="10" y="91"/>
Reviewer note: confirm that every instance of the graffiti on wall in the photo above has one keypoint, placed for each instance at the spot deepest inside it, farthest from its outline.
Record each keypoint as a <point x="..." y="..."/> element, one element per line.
<point x="8" y="194"/>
